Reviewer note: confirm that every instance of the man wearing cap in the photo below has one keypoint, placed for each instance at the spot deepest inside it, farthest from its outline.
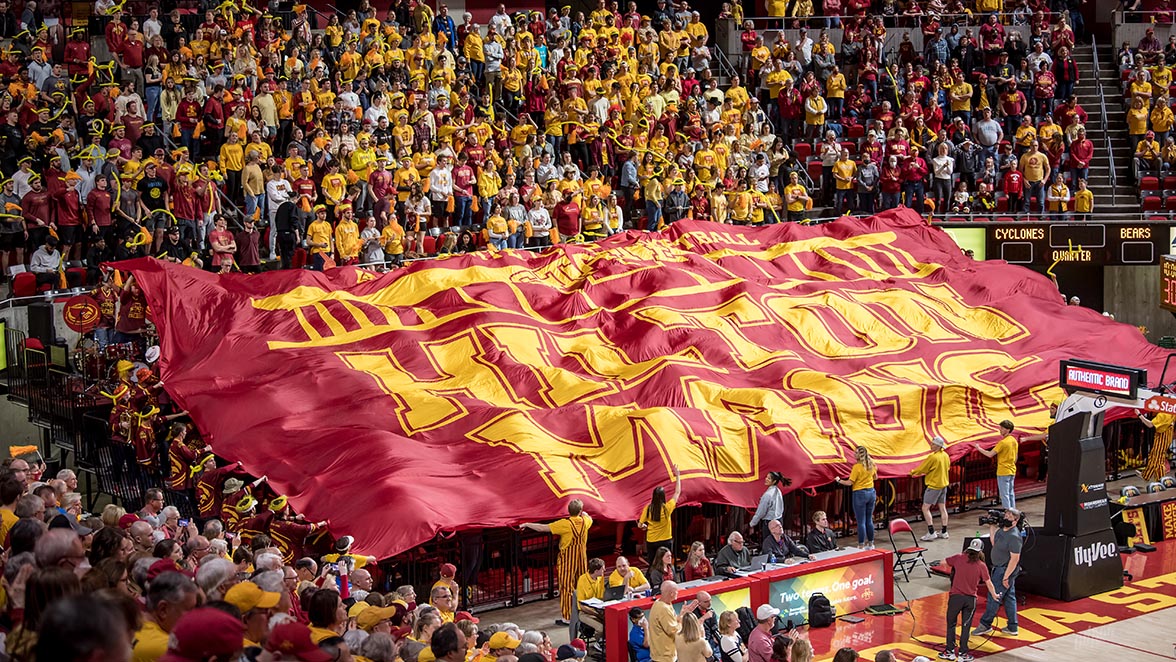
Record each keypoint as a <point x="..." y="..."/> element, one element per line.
<point x="45" y="261"/>
<point x="292" y="641"/>
<point x="968" y="572"/>
<point x="759" y="642"/>
<point x="205" y="635"/>
<point x="935" y="467"/>
<point x="256" y="608"/>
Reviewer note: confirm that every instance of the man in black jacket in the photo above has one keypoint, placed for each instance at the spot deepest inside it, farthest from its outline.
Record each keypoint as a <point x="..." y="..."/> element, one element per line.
<point x="780" y="546"/>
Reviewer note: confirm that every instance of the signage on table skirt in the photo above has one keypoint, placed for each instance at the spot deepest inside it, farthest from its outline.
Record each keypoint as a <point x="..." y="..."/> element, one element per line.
<point x="1168" y="520"/>
<point x="1135" y="516"/>
<point x="849" y="589"/>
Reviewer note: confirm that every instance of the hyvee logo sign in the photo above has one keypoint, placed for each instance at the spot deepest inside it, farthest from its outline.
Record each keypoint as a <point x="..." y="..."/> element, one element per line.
<point x="1093" y="553"/>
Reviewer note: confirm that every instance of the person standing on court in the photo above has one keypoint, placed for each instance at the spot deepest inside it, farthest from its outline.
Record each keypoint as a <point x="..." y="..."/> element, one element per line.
<point x="968" y="571"/>
<point x="1005" y="452"/>
<point x="657" y="518"/>
<point x="861" y="479"/>
<point x="1006" y="559"/>
<point x="935" y="468"/>
<point x="573" y="552"/>
<point x="771" y="503"/>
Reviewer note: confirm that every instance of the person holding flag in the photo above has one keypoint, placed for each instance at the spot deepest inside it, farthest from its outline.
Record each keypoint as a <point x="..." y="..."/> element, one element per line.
<point x="573" y="552"/>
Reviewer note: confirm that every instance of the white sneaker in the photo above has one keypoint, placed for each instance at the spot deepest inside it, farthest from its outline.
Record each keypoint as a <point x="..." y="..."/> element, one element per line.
<point x="871" y="546"/>
<point x="947" y="655"/>
<point x="944" y="535"/>
<point x="929" y="537"/>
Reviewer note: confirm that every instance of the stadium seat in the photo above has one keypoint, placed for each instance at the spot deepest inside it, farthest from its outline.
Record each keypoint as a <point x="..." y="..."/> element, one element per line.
<point x="907" y="558"/>
<point x="850" y="146"/>
<point x="429" y="245"/>
<point x="855" y="131"/>
<point x="1157" y="219"/>
<point x="75" y="276"/>
<point x="24" y="285"/>
<point x="1002" y="204"/>
<point x="1154" y="487"/>
<point x="814" y="171"/>
<point x="1168" y="482"/>
<point x="802" y="151"/>
<point x="1152" y="203"/>
<point x="957" y="219"/>
<point x="1004" y="219"/>
<point x="1149" y="184"/>
<point x="1128" y="491"/>
<point x="1169" y="183"/>
<point x="1170" y="203"/>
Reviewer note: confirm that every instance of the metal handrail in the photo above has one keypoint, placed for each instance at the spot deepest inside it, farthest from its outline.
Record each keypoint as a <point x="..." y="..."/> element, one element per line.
<point x="944" y="19"/>
<point x="224" y="198"/>
<point x="1102" y="103"/>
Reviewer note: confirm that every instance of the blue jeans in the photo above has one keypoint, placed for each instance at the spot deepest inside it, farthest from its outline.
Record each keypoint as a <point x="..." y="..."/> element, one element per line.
<point x="462" y="210"/>
<point x="1008" y="598"/>
<point x="253" y="203"/>
<point x="1034" y="189"/>
<point x="653" y="212"/>
<point x="1004" y="487"/>
<point x="152" y="101"/>
<point x="863" y="512"/>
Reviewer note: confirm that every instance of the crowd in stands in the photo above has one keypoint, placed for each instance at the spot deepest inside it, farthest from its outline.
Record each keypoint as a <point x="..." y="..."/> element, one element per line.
<point x="398" y="134"/>
<point x="1146" y="72"/>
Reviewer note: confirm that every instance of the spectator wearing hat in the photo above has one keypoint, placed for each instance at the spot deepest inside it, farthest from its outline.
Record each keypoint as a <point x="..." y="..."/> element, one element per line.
<point x="256" y="608"/>
<point x="206" y="635"/>
<point x="935" y="468"/>
<point x="968" y="573"/>
<point x="759" y="642"/>
<point x="293" y="641"/>
<point x="45" y="262"/>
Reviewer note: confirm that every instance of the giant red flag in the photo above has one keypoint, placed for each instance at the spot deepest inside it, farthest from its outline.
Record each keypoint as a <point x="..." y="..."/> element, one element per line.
<point x="488" y="389"/>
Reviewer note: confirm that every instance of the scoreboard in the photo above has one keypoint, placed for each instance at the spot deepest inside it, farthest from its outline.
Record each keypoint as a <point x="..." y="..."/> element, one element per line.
<point x="1095" y="243"/>
<point x="1048" y="244"/>
<point x="1168" y="283"/>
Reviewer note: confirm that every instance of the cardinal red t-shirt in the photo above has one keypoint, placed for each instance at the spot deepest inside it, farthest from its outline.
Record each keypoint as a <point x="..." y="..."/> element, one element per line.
<point x="968" y="576"/>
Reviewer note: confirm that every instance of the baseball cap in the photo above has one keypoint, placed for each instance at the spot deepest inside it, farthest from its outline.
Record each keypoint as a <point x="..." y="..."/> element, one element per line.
<point x="248" y="596"/>
<point x="203" y="633"/>
<point x="938" y="441"/>
<point x="448" y="570"/>
<point x="67" y="522"/>
<point x="293" y="638"/>
<point x="503" y="640"/>
<point x="977" y="545"/>
<point x="159" y="567"/>
<point x="764" y="612"/>
<point x="567" y="652"/>
<point x="372" y="616"/>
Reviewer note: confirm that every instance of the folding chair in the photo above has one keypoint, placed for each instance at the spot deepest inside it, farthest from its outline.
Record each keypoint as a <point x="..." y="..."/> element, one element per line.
<point x="907" y="558"/>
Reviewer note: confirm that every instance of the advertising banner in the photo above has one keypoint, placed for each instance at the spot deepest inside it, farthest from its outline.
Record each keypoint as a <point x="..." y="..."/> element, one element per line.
<point x="1135" y="516"/>
<point x="849" y="589"/>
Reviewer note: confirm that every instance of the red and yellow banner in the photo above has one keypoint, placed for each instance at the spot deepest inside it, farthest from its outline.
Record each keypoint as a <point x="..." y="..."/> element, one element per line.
<point x="487" y="389"/>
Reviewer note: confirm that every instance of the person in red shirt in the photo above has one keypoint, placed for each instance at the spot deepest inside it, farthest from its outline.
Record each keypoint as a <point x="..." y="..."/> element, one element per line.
<point x="69" y="217"/>
<point x="187" y="115"/>
<point x="1014" y="188"/>
<point x="132" y="312"/>
<point x="567" y="216"/>
<point x="968" y="572"/>
<point x="77" y="53"/>
<point x="1081" y="154"/>
<point x="890" y="182"/>
<point x="463" y="192"/>
<point x="185" y="206"/>
<point x="34" y="206"/>
<point x="99" y="205"/>
<point x="116" y="35"/>
<point x="914" y="174"/>
<point x="106" y="295"/>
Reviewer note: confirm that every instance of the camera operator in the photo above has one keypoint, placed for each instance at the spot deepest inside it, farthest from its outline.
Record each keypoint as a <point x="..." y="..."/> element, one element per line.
<point x="1006" y="557"/>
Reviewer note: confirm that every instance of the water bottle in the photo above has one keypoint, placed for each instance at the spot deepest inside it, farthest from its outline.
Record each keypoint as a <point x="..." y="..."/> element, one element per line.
<point x="771" y="558"/>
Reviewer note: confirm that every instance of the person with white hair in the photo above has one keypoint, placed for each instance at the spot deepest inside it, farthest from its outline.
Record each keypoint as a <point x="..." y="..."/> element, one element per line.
<point x="218" y="548"/>
<point x="267" y="561"/>
<point x="935" y="467"/>
<point x="215" y="577"/>
<point x="70" y="478"/>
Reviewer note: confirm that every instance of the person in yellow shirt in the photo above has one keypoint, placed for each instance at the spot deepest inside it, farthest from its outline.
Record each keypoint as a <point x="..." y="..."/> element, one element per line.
<point x="657" y="517"/>
<point x="935" y="467"/>
<point x="474" y="50"/>
<point x="1005" y="452"/>
<point x="318" y="238"/>
<point x="960" y="95"/>
<point x="1137" y="116"/>
<point x="590" y="586"/>
<point x="861" y="480"/>
<point x="835" y="86"/>
<point x="347" y="243"/>
<point x="844" y="170"/>
<point x="392" y="239"/>
<point x="573" y="551"/>
<point x="1083" y="201"/>
<point x="815" y="108"/>
<point x="1162" y="118"/>
<point x="232" y="162"/>
<point x="170" y="596"/>
<point x="796" y="198"/>
<point x="1057" y="198"/>
<point x="626" y="575"/>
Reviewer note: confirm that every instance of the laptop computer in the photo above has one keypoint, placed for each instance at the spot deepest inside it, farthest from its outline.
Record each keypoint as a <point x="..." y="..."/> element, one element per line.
<point x="757" y="563"/>
<point x="613" y="593"/>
